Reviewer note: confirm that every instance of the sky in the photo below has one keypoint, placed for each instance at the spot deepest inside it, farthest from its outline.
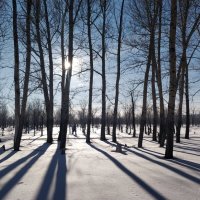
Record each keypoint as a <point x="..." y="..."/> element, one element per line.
<point x="130" y="77"/>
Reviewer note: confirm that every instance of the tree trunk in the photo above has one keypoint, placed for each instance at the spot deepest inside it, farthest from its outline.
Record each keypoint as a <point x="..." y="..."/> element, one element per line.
<point x="43" y="72"/>
<point x="65" y="102"/>
<point x="16" y="77"/>
<point x="155" y="112"/>
<point x="21" y="117"/>
<point x="187" y="104"/>
<point x="144" y="105"/>
<point x="103" y="111"/>
<point x="91" y="71"/>
<point x="62" y="47"/>
<point x="114" y="139"/>
<point x="133" y="115"/>
<point x="181" y="92"/>
<point x="50" y="111"/>
<point x="172" y="83"/>
<point x="162" y="134"/>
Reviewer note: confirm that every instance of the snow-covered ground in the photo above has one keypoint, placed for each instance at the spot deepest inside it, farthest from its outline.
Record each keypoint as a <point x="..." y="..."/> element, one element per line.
<point x="96" y="171"/>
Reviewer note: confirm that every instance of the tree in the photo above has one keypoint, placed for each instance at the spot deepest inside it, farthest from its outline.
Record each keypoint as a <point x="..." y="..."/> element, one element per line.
<point x="89" y="23"/>
<point x="172" y="82"/>
<point x="66" y="89"/>
<point x="162" y="133"/>
<point x="133" y="114"/>
<point x="48" y="103"/>
<point x="114" y="139"/>
<point x="20" y="108"/>
<point x="152" y="27"/>
<point x="104" y="7"/>
<point x="187" y="30"/>
<point x="51" y="101"/>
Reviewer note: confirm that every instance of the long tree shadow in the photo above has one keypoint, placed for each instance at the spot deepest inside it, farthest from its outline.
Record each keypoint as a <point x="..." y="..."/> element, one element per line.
<point x="182" y="162"/>
<point x="58" y="161"/>
<point x="187" y="148"/>
<point x="155" y="194"/>
<point x="8" y="156"/>
<point x="189" y="143"/>
<point x="12" y="166"/>
<point x="185" y="152"/>
<point x="36" y="154"/>
<point x="162" y="164"/>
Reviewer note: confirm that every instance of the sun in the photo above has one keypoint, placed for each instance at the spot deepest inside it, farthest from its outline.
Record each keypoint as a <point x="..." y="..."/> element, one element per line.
<point x="76" y="64"/>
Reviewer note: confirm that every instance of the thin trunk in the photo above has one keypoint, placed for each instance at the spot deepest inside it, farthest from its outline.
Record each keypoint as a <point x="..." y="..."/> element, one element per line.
<point x="26" y="78"/>
<point x="62" y="47"/>
<point x="103" y="111"/>
<point x="172" y="83"/>
<point x="16" y="77"/>
<point x="66" y="103"/>
<point x="187" y="104"/>
<point x="42" y="66"/>
<point x="181" y="92"/>
<point x="144" y="105"/>
<point x="91" y="71"/>
<point x="50" y="112"/>
<point x="133" y="115"/>
<point x="155" y="112"/>
<point x="162" y="134"/>
<point x="114" y="139"/>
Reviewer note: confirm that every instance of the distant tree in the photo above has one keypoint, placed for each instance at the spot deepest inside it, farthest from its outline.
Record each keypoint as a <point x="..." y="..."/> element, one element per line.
<point x="133" y="114"/>
<point x="3" y="116"/>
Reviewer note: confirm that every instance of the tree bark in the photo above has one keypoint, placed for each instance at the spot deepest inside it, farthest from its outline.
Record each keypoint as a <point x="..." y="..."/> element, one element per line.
<point x="51" y="101"/>
<point x="172" y="83"/>
<point x="91" y="71"/>
<point x="21" y="116"/>
<point x="43" y="72"/>
<point x="103" y="110"/>
<point x="62" y="47"/>
<point x="162" y="132"/>
<point x="187" y="104"/>
<point x="181" y="94"/>
<point x="114" y="139"/>
<point x="155" y="112"/>
<point x="17" y="138"/>
<point x="66" y="92"/>
<point x="133" y="115"/>
<point x="144" y="105"/>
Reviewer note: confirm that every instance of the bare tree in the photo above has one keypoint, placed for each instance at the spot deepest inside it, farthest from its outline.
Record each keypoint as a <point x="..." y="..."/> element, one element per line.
<point x="89" y="23"/>
<point x="20" y="110"/>
<point x="172" y="83"/>
<point x="104" y="7"/>
<point x="66" y="90"/>
<point x="152" y="27"/>
<point x="187" y="30"/>
<point x="114" y="139"/>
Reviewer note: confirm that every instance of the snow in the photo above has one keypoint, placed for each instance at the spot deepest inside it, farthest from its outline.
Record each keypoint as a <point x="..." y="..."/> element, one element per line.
<point x="97" y="171"/>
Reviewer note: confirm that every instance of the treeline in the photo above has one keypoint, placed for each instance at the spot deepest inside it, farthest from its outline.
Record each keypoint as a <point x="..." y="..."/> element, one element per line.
<point x="154" y="44"/>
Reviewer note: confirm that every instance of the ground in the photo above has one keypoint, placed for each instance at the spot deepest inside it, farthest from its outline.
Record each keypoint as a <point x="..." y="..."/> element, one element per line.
<point x="96" y="171"/>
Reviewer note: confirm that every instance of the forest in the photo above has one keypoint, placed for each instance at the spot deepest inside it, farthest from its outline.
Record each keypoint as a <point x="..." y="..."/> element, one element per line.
<point x="105" y="63"/>
<point x="99" y="99"/>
